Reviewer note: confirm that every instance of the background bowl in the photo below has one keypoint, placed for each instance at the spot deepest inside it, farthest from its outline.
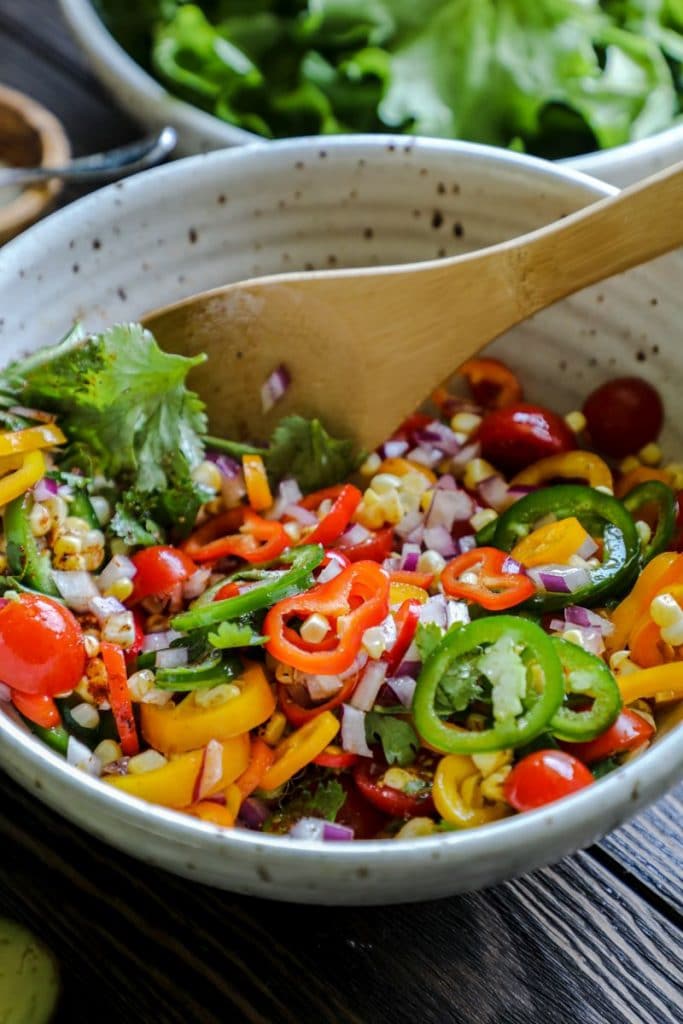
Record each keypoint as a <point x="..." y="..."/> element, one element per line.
<point x="147" y="101"/>
<point x="200" y="222"/>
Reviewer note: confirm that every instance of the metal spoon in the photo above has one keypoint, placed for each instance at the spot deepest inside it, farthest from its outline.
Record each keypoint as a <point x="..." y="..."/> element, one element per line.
<point x="114" y="163"/>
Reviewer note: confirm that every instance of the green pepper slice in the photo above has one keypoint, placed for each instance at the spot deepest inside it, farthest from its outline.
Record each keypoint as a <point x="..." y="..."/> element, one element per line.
<point x="484" y="537"/>
<point x="539" y="658"/>
<point x="621" y="545"/>
<point x="26" y="560"/>
<point x="210" y="672"/>
<point x="585" y="675"/>
<point x="303" y="561"/>
<point x="57" y="737"/>
<point x="654" y="492"/>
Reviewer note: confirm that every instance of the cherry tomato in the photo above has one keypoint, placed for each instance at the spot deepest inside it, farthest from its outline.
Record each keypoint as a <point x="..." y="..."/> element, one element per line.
<point x="159" y="570"/>
<point x="376" y="548"/>
<point x="543" y="777"/>
<point x="623" y="416"/>
<point x="365" y="819"/>
<point x="514" y="437"/>
<point x="368" y="776"/>
<point x="41" y="646"/>
<point x="629" y="732"/>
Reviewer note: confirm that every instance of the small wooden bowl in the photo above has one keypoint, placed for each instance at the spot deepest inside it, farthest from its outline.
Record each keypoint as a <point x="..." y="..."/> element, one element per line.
<point x="30" y="136"/>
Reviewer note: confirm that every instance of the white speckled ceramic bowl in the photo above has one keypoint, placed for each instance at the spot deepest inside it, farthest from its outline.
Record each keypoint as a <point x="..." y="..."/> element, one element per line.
<point x="148" y="102"/>
<point x="207" y="220"/>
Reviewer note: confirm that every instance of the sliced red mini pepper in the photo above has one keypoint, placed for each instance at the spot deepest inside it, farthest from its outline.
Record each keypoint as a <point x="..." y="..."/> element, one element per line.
<point x="332" y="525"/>
<point x="38" y="708"/>
<point x="491" y="382"/>
<point x="298" y="715"/>
<point x="407" y="619"/>
<point x="494" y="588"/>
<point x="376" y="547"/>
<point x="352" y="602"/>
<point x="412" y="579"/>
<point x="334" y="757"/>
<point x="259" y="540"/>
<point x="119" y="698"/>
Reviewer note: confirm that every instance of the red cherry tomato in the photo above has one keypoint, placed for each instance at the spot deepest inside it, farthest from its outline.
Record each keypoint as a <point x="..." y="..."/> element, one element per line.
<point x="623" y="416"/>
<point x="41" y="646"/>
<point x="365" y="820"/>
<point x="368" y="774"/>
<point x="629" y="732"/>
<point x="543" y="777"/>
<point x="514" y="437"/>
<point x="159" y="570"/>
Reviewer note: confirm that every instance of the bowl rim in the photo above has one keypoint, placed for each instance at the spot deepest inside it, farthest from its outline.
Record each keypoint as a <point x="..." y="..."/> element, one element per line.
<point x="628" y="787"/>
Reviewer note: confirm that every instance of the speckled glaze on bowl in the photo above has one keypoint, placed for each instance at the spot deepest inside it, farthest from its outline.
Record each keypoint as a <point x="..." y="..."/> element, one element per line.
<point x="148" y="102"/>
<point x="211" y="219"/>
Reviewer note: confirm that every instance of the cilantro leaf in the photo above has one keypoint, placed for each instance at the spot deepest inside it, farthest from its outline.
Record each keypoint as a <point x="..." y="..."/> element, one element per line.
<point x="604" y="767"/>
<point x="428" y="637"/>
<point x="303" y="449"/>
<point x="460" y="685"/>
<point x="133" y="523"/>
<point x="398" y="738"/>
<point x="323" y="800"/>
<point x="235" y="634"/>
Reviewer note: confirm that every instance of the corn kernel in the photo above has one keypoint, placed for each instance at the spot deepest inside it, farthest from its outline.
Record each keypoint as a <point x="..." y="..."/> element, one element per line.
<point x="644" y="532"/>
<point x="414" y="483"/>
<point x="74" y="524"/>
<point x="293" y="530"/>
<point x="415" y="828"/>
<point x="469" y="579"/>
<point x="628" y="464"/>
<point x="675" y="471"/>
<point x="482" y="518"/>
<point x="157" y="696"/>
<point x="120" y="589"/>
<point x="371" y="465"/>
<point x="465" y="423"/>
<point x="384" y="483"/>
<point x="666" y="613"/>
<point x="68" y="544"/>
<point x="148" y="761"/>
<point x="621" y="664"/>
<point x="11" y="595"/>
<point x="57" y="508"/>
<point x="83" y="690"/>
<point x="397" y="778"/>
<point x="576" y="421"/>
<point x="107" y="751"/>
<point x="284" y="673"/>
<point x="315" y="628"/>
<point x="101" y="508"/>
<point x="86" y="716"/>
<point x="492" y="787"/>
<point x="573" y="636"/>
<point x="140" y="683"/>
<point x="208" y="475"/>
<point x="650" y="455"/>
<point x="274" y="729"/>
<point x="374" y="642"/>
<point x="487" y="764"/>
<point x="426" y="500"/>
<point x="40" y="519"/>
<point x="392" y="508"/>
<point x="215" y="696"/>
<point x="477" y="470"/>
<point x="604" y="489"/>
<point x="324" y="508"/>
<point x="431" y="561"/>
<point x="119" y="628"/>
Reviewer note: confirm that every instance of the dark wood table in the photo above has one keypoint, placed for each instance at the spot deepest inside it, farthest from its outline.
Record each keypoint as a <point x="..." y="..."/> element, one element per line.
<point x="595" y="940"/>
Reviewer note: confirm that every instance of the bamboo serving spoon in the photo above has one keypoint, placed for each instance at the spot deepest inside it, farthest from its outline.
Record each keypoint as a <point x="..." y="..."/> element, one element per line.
<point x="364" y="347"/>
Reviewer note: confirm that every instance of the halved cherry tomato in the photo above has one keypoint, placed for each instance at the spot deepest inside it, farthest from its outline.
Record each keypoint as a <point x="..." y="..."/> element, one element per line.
<point x="298" y="715"/>
<point x="623" y="415"/>
<point x="407" y="619"/>
<point x="514" y="437"/>
<point x="41" y="646"/>
<point x="38" y="708"/>
<point x="259" y="540"/>
<point x="375" y="548"/>
<point x="491" y="383"/>
<point x="159" y="570"/>
<point x="335" y="757"/>
<point x="544" y="776"/>
<point x="629" y="732"/>
<point x="364" y="818"/>
<point x="119" y="698"/>
<point x="368" y="776"/>
<point x="337" y="519"/>
<point x="494" y="589"/>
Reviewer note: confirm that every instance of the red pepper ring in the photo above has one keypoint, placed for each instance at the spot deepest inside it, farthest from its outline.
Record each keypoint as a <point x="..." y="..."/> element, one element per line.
<point x="407" y="619"/>
<point x="376" y="547"/>
<point x="298" y="715"/>
<point x="353" y="601"/>
<point x="495" y="589"/>
<point x="259" y="539"/>
<point x="331" y="526"/>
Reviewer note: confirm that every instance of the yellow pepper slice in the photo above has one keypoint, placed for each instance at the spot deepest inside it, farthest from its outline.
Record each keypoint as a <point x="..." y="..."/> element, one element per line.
<point x="552" y="543"/>
<point x="451" y="801"/>
<point x="401" y="467"/>
<point x="173" y="729"/>
<point x="400" y="592"/>
<point x="649" y="682"/>
<point x="173" y="785"/>
<point x="577" y="465"/>
<point x="18" y="482"/>
<point x="256" y="482"/>
<point x="664" y="569"/>
<point x="299" y="748"/>
<point x="16" y="442"/>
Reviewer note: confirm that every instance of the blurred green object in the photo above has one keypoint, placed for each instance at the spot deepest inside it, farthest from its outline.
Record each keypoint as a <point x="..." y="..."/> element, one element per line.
<point x="552" y="77"/>
<point x="29" y="978"/>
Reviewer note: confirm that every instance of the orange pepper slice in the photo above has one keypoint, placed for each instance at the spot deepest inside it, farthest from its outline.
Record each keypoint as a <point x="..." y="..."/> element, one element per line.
<point x="645" y="642"/>
<point x="256" y="482"/>
<point x="491" y="382"/>
<point x="299" y="748"/>
<point x="662" y="571"/>
<point x="553" y="543"/>
<point x="576" y="465"/>
<point x="640" y="476"/>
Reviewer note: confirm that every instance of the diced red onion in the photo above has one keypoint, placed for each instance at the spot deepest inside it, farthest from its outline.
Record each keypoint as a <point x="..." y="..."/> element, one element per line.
<point x="447" y="507"/>
<point x="439" y="435"/>
<point x="466" y="543"/>
<point x="434" y="610"/>
<point x="559" y="579"/>
<point x="333" y="831"/>
<point x="493" y="492"/>
<point x="196" y="584"/>
<point x="355" y="534"/>
<point x="120" y="567"/>
<point x="410" y="522"/>
<point x="511" y="565"/>
<point x="588" y="548"/>
<point x="171" y="657"/>
<point x="321" y="687"/>
<point x="274" y="387"/>
<point x="226" y="465"/>
<point x="5" y="692"/>
<point x="456" y="611"/>
<point x="288" y="493"/>
<point x="78" y="588"/>
<point x="393" y="449"/>
<point x="593" y="640"/>
<point x="558" y="626"/>
<point x="253" y="813"/>
<point x="80" y="756"/>
<point x="103" y="607"/>
<point x="458" y="463"/>
<point x="437" y="538"/>
<point x="356" y="666"/>
<point x="584" y="617"/>
<point x="302" y="515"/>
<point x="410" y="555"/>
<point x="404" y="688"/>
<point x="211" y="771"/>
<point x="409" y="667"/>
<point x="392" y="564"/>
<point x="425" y="455"/>
<point x="159" y="641"/>
<point x="232" y="479"/>
<point x="370" y="684"/>
<point x="416" y="536"/>
<point x="353" y="731"/>
<point x="45" y="489"/>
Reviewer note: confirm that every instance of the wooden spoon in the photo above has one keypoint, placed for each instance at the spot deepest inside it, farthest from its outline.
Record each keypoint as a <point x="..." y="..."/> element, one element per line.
<point x="364" y="347"/>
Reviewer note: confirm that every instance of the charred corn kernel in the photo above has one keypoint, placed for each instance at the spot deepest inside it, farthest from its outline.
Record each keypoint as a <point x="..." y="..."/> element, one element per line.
<point x="374" y="642"/>
<point x="215" y="696"/>
<point x="107" y="751"/>
<point x="666" y="613"/>
<point x="86" y="715"/>
<point x="371" y="465"/>
<point x="207" y="474"/>
<point x="76" y="525"/>
<point x="675" y="471"/>
<point x="293" y="530"/>
<point x="119" y="628"/>
<point x="415" y="828"/>
<point x="384" y="483"/>
<point x="482" y="518"/>
<point x="397" y="778"/>
<point x="148" y="761"/>
<point x="68" y="544"/>
<point x="315" y="628"/>
<point x="274" y="729"/>
<point x="284" y="673"/>
<point x="431" y="561"/>
<point x="140" y="683"/>
<point x="650" y="455"/>
<point x="465" y="422"/>
<point x="93" y="549"/>
<point x="57" y="508"/>
<point x="477" y="470"/>
<point x="120" y="589"/>
<point x="644" y="532"/>
<point x="40" y="519"/>
<point x="83" y="690"/>
<point x="576" y="421"/>
<point x="628" y="464"/>
<point x="101" y="508"/>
